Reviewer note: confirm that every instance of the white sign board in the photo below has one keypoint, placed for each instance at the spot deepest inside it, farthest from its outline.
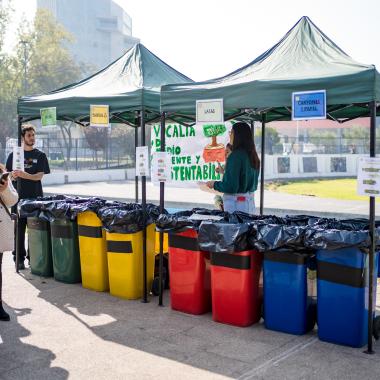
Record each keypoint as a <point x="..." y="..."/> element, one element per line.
<point x="209" y="111"/>
<point x="369" y="176"/>
<point x="161" y="167"/>
<point x="18" y="158"/>
<point x="142" y="161"/>
<point x="194" y="151"/>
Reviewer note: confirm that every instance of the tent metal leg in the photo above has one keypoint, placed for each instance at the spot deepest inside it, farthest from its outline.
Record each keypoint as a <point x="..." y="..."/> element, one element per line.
<point x="17" y="224"/>
<point x="136" y="177"/>
<point x="143" y="201"/>
<point x="371" y="275"/>
<point x="263" y="120"/>
<point x="162" y="206"/>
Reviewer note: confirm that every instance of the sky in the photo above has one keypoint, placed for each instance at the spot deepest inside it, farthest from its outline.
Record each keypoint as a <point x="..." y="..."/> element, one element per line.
<point x="205" y="39"/>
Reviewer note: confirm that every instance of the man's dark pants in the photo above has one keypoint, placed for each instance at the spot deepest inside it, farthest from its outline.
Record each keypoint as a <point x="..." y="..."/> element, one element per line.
<point x="22" y="228"/>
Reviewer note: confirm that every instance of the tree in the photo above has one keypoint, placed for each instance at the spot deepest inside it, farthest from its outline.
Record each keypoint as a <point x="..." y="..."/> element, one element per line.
<point x="271" y="139"/>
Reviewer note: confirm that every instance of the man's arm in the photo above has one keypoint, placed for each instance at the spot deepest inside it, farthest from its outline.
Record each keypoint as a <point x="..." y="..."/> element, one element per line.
<point x="24" y="175"/>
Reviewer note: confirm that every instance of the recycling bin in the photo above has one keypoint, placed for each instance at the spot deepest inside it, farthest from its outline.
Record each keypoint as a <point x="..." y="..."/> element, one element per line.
<point x="93" y="252"/>
<point x="65" y="250"/>
<point x="189" y="272"/>
<point x="288" y="305"/>
<point x="125" y="262"/>
<point x="235" y="279"/>
<point x="39" y="243"/>
<point x="342" y="287"/>
<point x="157" y="243"/>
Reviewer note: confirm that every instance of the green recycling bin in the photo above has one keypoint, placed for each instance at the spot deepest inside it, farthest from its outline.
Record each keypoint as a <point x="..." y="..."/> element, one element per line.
<point x="39" y="243"/>
<point x="65" y="251"/>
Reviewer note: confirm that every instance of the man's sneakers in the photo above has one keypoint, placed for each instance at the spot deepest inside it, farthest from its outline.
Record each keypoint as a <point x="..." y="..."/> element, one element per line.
<point x="4" y="316"/>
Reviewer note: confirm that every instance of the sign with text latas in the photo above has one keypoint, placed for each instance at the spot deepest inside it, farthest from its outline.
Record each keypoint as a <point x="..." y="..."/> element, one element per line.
<point x="99" y="115"/>
<point x="309" y="105"/>
<point x="210" y="111"/>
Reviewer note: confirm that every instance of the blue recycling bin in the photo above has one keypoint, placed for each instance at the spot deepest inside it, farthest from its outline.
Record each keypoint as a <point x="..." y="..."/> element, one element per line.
<point x="287" y="305"/>
<point x="342" y="287"/>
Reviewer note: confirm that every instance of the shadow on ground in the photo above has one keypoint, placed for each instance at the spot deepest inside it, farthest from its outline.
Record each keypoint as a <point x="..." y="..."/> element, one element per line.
<point x="19" y="360"/>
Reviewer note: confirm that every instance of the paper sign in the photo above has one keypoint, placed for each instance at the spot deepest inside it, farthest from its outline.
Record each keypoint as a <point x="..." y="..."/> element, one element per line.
<point x="161" y="167"/>
<point x="48" y="117"/>
<point x="142" y="161"/>
<point x="18" y="158"/>
<point x="309" y="105"/>
<point x="369" y="176"/>
<point x="99" y="116"/>
<point x="209" y="111"/>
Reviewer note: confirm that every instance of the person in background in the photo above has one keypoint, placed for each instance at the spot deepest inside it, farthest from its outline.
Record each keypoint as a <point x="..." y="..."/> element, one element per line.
<point x="35" y="166"/>
<point x="8" y="198"/>
<point x="241" y="172"/>
<point x="218" y="200"/>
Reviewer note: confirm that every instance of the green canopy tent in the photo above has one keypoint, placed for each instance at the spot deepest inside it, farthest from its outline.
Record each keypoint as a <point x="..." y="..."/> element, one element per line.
<point x="130" y="86"/>
<point x="305" y="59"/>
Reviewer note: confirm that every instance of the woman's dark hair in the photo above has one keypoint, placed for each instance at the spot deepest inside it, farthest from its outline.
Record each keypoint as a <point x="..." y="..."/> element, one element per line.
<point x="243" y="140"/>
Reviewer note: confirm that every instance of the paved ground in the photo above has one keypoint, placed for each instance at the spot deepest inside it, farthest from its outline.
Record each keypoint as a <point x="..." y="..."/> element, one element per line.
<point x="61" y="331"/>
<point x="275" y="202"/>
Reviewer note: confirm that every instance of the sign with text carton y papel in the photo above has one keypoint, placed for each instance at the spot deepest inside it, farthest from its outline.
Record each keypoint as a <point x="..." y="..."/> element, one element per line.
<point x="309" y="105"/>
<point x="142" y="161"/>
<point x="369" y="176"/>
<point x="209" y="111"/>
<point x="48" y="117"/>
<point x="99" y="115"/>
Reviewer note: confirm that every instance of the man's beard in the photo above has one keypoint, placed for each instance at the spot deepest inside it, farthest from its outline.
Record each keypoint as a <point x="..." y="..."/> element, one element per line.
<point x="28" y="144"/>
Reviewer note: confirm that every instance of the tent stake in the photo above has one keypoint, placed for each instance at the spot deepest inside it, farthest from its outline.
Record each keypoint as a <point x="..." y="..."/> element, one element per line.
<point x="162" y="207"/>
<point x="371" y="279"/>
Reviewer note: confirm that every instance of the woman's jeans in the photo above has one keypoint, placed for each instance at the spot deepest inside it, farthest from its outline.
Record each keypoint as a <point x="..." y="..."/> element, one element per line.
<point x="239" y="202"/>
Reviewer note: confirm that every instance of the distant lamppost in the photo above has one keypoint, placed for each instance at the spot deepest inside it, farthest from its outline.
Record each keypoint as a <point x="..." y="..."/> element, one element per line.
<point x="25" y="43"/>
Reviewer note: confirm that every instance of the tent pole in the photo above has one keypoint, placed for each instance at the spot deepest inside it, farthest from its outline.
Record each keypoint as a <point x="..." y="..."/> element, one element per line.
<point x="263" y="120"/>
<point x="17" y="224"/>
<point x="162" y="207"/>
<point x="371" y="279"/>
<point x="143" y="201"/>
<point x="253" y="129"/>
<point x="136" y="145"/>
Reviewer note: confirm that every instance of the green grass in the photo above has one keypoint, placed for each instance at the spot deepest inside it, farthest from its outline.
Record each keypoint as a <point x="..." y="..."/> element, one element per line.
<point x="344" y="189"/>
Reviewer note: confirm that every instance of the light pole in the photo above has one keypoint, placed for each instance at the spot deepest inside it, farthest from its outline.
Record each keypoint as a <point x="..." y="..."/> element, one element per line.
<point x="23" y="42"/>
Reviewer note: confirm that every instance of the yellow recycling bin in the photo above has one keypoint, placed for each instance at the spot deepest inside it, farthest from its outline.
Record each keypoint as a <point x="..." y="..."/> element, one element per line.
<point x="157" y="243"/>
<point x="125" y="262"/>
<point x="93" y="252"/>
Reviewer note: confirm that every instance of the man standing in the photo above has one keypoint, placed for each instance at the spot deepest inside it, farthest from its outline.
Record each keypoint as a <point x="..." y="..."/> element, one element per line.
<point x="35" y="166"/>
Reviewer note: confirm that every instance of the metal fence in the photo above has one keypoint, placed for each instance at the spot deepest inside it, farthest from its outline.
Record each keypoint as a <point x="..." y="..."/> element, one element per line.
<point x="119" y="152"/>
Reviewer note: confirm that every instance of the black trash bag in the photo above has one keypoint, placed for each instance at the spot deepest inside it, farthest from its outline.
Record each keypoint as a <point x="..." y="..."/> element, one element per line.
<point x="181" y="221"/>
<point x="35" y="207"/>
<point x="267" y="237"/>
<point x="329" y="239"/>
<point x="299" y="220"/>
<point x="223" y="237"/>
<point x="127" y="217"/>
<point x="90" y="204"/>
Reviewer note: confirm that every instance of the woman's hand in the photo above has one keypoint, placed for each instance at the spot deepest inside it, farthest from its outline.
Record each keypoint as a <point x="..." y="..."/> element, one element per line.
<point x="3" y="186"/>
<point x="210" y="184"/>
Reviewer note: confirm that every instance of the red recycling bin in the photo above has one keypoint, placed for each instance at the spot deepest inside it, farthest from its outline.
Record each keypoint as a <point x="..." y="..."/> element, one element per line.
<point x="189" y="271"/>
<point x="235" y="279"/>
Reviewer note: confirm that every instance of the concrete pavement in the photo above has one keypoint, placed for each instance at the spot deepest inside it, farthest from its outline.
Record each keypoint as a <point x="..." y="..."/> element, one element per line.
<point x="60" y="331"/>
<point x="275" y="202"/>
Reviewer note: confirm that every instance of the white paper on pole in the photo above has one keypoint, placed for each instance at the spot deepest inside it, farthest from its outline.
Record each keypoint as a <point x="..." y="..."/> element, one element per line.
<point x="161" y="167"/>
<point x="142" y="161"/>
<point x="18" y="158"/>
<point x="369" y="177"/>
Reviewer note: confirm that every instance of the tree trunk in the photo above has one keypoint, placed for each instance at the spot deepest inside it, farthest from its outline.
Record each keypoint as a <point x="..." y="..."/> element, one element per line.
<point x="214" y="141"/>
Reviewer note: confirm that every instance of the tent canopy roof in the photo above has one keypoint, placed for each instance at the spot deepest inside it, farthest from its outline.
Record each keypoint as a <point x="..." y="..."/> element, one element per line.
<point x="304" y="59"/>
<point x="131" y="83"/>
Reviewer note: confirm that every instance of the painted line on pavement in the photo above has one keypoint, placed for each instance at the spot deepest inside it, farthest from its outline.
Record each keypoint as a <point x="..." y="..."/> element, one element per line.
<point x="277" y="359"/>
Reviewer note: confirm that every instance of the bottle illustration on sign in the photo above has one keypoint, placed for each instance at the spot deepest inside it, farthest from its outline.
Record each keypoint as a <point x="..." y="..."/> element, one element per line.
<point x="214" y="152"/>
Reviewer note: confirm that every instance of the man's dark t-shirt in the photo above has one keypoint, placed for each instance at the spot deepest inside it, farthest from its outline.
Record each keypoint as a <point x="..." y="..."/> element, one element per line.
<point x="35" y="162"/>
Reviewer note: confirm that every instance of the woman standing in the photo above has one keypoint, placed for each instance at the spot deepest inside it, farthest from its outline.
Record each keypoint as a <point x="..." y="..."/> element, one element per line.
<point x="241" y="172"/>
<point x="8" y="198"/>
